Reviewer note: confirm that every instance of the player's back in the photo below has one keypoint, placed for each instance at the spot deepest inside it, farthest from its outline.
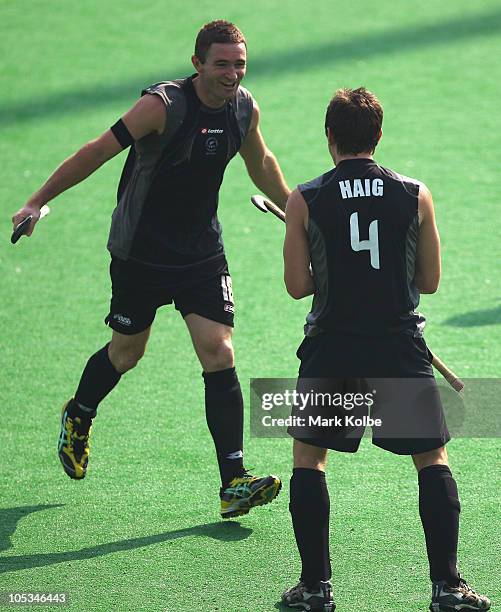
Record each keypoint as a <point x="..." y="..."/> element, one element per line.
<point x="362" y="230"/>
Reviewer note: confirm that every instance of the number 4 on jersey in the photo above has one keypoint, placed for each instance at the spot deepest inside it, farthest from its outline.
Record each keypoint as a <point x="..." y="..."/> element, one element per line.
<point x="371" y="245"/>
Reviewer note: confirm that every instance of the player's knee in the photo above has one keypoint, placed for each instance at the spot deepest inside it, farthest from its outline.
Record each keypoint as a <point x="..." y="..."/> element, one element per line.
<point x="125" y="359"/>
<point x="437" y="456"/>
<point x="309" y="457"/>
<point x="219" y="355"/>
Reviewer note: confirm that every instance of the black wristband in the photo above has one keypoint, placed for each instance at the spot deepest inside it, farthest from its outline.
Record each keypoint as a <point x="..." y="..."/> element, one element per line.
<point x="122" y="134"/>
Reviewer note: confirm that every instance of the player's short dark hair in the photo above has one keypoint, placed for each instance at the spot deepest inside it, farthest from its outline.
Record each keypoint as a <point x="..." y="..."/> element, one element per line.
<point x="219" y="31"/>
<point x="355" y="117"/>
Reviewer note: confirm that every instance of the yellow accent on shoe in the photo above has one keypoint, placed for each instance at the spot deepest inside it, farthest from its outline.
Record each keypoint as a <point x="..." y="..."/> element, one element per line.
<point x="246" y="492"/>
<point x="73" y="447"/>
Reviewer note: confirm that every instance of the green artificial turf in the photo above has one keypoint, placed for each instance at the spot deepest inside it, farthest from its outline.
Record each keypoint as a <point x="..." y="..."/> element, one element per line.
<point x="142" y="532"/>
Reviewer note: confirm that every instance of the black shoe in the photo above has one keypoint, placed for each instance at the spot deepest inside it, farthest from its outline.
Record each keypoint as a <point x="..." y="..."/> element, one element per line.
<point x="462" y="597"/>
<point x="73" y="447"/>
<point x="316" y="598"/>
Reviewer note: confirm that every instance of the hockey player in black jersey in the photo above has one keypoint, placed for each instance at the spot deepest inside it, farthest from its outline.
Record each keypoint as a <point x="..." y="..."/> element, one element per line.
<point x="166" y="245"/>
<point x="371" y="239"/>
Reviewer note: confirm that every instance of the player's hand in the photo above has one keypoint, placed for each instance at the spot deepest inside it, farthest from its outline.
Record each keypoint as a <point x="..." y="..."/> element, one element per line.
<point x="26" y="211"/>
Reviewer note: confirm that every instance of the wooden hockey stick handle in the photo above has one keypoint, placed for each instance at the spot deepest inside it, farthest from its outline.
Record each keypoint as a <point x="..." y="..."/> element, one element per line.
<point x="456" y="383"/>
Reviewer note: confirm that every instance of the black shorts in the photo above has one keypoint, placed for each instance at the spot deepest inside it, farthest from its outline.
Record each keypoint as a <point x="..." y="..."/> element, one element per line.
<point x="138" y="291"/>
<point x="391" y="379"/>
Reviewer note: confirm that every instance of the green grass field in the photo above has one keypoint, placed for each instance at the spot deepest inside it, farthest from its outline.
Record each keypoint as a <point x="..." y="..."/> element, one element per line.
<point x="142" y="532"/>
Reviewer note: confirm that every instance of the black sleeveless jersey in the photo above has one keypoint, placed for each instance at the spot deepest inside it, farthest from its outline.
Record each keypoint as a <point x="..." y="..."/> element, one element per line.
<point x="362" y="231"/>
<point x="168" y="193"/>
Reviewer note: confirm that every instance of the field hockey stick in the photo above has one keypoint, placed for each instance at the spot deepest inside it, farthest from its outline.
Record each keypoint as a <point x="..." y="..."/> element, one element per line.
<point x="456" y="383"/>
<point x="22" y="228"/>
<point x="265" y="205"/>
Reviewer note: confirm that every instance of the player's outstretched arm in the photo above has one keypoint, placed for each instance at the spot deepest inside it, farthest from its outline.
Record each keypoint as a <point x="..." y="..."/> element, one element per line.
<point x="146" y="116"/>
<point x="297" y="275"/>
<point x="262" y="165"/>
<point x="427" y="274"/>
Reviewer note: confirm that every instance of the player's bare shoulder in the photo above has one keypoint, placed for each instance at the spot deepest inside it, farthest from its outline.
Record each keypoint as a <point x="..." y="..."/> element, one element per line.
<point x="296" y="210"/>
<point x="154" y="107"/>
<point x="147" y="116"/>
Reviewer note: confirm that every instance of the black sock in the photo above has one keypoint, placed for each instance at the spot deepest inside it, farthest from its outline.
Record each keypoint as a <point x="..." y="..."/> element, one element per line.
<point x="310" y="508"/>
<point x="224" y="410"/>
<point x="98" y="379"/>
<point x="439" y="509"/>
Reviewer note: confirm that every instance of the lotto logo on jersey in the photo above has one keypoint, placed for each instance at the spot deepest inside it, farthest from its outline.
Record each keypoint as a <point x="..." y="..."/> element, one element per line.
<point x="211" y="131"/>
